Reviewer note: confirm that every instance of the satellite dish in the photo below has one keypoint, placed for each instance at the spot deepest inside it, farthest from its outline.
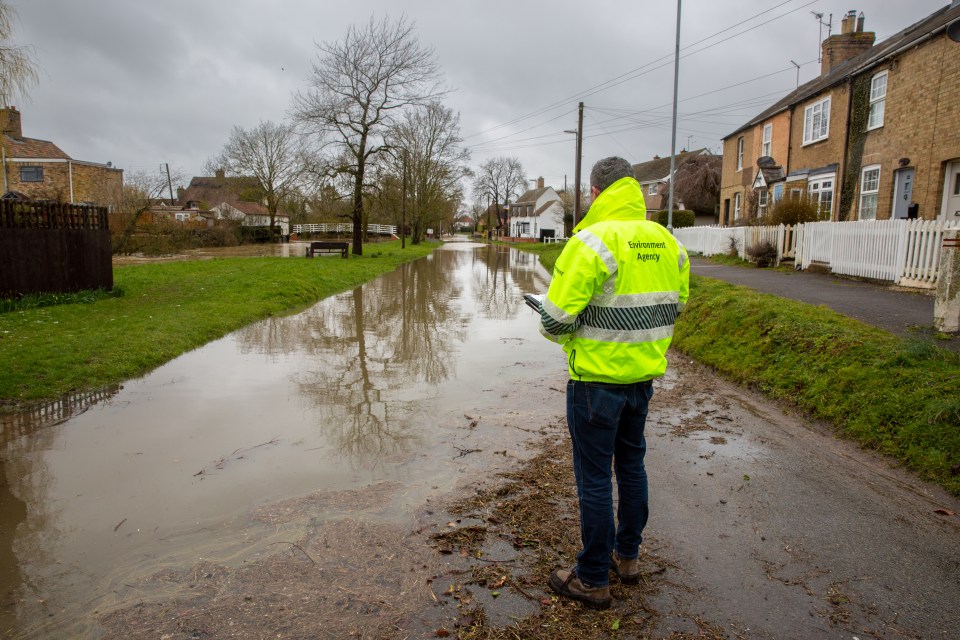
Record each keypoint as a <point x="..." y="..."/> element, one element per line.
<point x="953" y="31"/>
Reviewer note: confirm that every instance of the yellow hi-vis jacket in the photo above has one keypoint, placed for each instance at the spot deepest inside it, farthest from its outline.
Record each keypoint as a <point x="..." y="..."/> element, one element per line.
<point x="616" y="291"/>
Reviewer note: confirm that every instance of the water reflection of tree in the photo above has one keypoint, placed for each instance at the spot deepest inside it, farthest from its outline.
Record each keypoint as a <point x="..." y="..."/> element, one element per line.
<point x="501" y="276"/>
<point x="371" y="355"/>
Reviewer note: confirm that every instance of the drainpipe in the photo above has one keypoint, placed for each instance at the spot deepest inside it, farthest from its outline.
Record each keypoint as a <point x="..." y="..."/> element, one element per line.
<point x="70" y="173"/>
<point x="3" y="155"/>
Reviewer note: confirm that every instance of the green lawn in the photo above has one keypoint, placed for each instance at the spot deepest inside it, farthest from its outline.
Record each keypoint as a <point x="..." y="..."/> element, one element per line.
<point x="894" y="395"/>
<point x="165" y="310"/>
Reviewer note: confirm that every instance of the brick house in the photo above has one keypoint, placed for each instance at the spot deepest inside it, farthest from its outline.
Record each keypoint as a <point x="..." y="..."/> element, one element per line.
<point x="654" y="178"/>
<point x="229" y="198"/>
<point x="875" y="136"/>
<point x="39" y="169"/>
<point x="536" y="214"/>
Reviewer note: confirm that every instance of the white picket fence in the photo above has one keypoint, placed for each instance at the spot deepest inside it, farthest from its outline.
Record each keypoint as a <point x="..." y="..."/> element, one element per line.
<point x="344" y="227"/>
<point x="906" y="252"/>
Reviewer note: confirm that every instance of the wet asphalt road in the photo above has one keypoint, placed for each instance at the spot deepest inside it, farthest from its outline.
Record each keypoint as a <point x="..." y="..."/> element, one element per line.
<point x="779" y="529"/>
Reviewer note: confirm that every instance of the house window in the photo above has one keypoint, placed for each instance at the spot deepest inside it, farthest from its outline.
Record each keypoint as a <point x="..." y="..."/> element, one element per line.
<point x="816" y="121"/>
<point x="739" y="153"/>
<point x="795" y="194"/>
<point x="182" y="217"/>
<point x="653" y="189"/>
<point x="762" y="198"/>
<point x="820" y="191"/>
<point x="524" y="228"/>
<point x="777" y="193"/>
<point x="736" y="206"/>
<point x="878" y="100"/>
<point x="767" y="140"/>
<point x="31" y="174"/>
<point x="869" y="188"/>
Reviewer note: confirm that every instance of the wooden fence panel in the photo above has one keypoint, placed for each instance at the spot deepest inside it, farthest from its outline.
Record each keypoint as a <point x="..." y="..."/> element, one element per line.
<point x="51" y="247"/>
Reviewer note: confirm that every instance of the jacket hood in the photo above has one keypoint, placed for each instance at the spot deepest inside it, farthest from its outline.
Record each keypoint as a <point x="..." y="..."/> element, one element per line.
<point x="623" y="200"/>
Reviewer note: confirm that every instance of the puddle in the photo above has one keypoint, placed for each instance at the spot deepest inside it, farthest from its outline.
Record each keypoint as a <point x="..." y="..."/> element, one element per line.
<point x="370" y="402"/>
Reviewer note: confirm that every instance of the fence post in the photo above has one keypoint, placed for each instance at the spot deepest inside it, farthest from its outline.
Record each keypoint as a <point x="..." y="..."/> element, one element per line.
<point x="946" y="310"/>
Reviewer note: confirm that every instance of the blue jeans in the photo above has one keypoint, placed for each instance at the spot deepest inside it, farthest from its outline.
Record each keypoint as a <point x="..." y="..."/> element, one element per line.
<point x="606" y="424"/>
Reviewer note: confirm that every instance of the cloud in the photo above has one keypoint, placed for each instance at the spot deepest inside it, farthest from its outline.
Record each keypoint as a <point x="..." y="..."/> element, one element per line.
<point x="146" y="83"/>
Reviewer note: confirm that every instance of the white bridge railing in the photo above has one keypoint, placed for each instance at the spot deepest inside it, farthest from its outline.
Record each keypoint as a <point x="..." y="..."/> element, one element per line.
<point x="906" y="252"/>
<point x="344" y="227"/>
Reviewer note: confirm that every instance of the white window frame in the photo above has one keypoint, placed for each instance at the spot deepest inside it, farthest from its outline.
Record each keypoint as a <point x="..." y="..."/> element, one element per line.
<point x="869" y="192"/>
<point x="767" y="143"/>
<point x="816" y="121"/>
<point x="737" y="201"/>
<point x="740" y="153"/>
<point x="878" y="100"/>
<point x="653" y="188"/>
<point x="763" y="199"/>
<point x="817" y="187"/>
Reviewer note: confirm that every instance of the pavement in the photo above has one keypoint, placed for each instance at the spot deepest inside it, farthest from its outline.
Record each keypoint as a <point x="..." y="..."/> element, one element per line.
<point x="904" y="312"/>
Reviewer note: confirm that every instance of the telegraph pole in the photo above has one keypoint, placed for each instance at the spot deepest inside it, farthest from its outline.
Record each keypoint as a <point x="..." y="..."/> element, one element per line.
<point x="576" y="202"/>
<point x="169" y="183"/>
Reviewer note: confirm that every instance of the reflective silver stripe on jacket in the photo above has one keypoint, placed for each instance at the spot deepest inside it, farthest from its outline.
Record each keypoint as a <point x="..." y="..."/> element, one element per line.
<point x="612" y="335"/>
<point x="555" y="320"/>
<point x="593" y="241"/>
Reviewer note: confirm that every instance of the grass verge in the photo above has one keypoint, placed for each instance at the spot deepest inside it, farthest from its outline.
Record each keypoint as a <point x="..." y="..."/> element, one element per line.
<point x="890" y="394"/>
<point x="165" y="310"/>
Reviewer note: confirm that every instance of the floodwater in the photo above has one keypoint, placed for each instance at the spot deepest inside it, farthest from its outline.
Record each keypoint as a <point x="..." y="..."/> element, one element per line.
<point x="377" y="385"/>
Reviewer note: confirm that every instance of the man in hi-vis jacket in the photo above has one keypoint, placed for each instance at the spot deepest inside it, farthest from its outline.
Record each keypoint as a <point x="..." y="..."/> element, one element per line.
<point x="617" y="289"/>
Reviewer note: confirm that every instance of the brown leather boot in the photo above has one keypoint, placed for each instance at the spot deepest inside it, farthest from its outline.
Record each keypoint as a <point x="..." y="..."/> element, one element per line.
<point x="567" y="584"/>
<point x="627" y="570"/>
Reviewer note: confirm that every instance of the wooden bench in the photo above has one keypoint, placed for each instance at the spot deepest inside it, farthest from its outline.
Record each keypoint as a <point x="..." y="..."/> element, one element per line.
<point x="327" y="247"/>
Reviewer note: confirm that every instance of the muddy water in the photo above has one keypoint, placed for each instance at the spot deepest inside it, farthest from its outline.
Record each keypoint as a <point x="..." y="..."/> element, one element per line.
<point x="370" y="388"/>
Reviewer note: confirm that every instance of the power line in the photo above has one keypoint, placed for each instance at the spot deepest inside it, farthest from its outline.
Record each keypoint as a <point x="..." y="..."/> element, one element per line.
<point x="644" y="69"/>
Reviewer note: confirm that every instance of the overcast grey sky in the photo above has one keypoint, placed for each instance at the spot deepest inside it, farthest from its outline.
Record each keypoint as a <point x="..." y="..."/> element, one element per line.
<point x="142" y="83"/>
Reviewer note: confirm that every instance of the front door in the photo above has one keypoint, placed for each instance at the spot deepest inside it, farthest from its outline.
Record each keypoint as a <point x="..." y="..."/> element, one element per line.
<point x="902" y="192"/>
<point x="951" y="192"/>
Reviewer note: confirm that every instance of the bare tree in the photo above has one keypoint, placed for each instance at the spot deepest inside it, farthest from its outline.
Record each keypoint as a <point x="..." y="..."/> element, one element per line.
<point x="499" y="179"/>
<point x="140" y="190"/>
<point x="18" y="72"/>
<point x="271" y="155"/>
<point x="427" y="147"/>
<point x="477" y="209"/>
<point x="697" y="183"/>
<point x="356" y="87"/>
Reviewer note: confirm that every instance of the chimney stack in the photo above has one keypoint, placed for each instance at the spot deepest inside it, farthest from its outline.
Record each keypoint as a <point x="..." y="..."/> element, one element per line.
<point x="540" y="182"/>
<point x="10" y="120"/>
<point x="849" y="43"/>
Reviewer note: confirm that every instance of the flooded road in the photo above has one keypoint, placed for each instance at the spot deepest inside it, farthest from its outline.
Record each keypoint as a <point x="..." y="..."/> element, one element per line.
<point x="381" y="389"/>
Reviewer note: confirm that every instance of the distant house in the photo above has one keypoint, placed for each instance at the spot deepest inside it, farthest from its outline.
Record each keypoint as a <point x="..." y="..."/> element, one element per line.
<point x="463" y="222"/>
<point x="537" y="214"/>
<point x="251" y="214"/>
<point x="654" y="178"/>
<point x="230" y="199"/>
<point x="873" y="137"/>
<point x="39" y="169"/>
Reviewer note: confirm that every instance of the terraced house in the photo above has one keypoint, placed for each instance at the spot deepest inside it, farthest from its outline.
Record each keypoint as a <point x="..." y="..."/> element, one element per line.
<point x="876" y="136"/>
<point x="39" y="169"/>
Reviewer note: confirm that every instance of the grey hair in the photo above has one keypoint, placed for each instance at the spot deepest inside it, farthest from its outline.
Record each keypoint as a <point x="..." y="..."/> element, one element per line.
<point x="608" y="171"/>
